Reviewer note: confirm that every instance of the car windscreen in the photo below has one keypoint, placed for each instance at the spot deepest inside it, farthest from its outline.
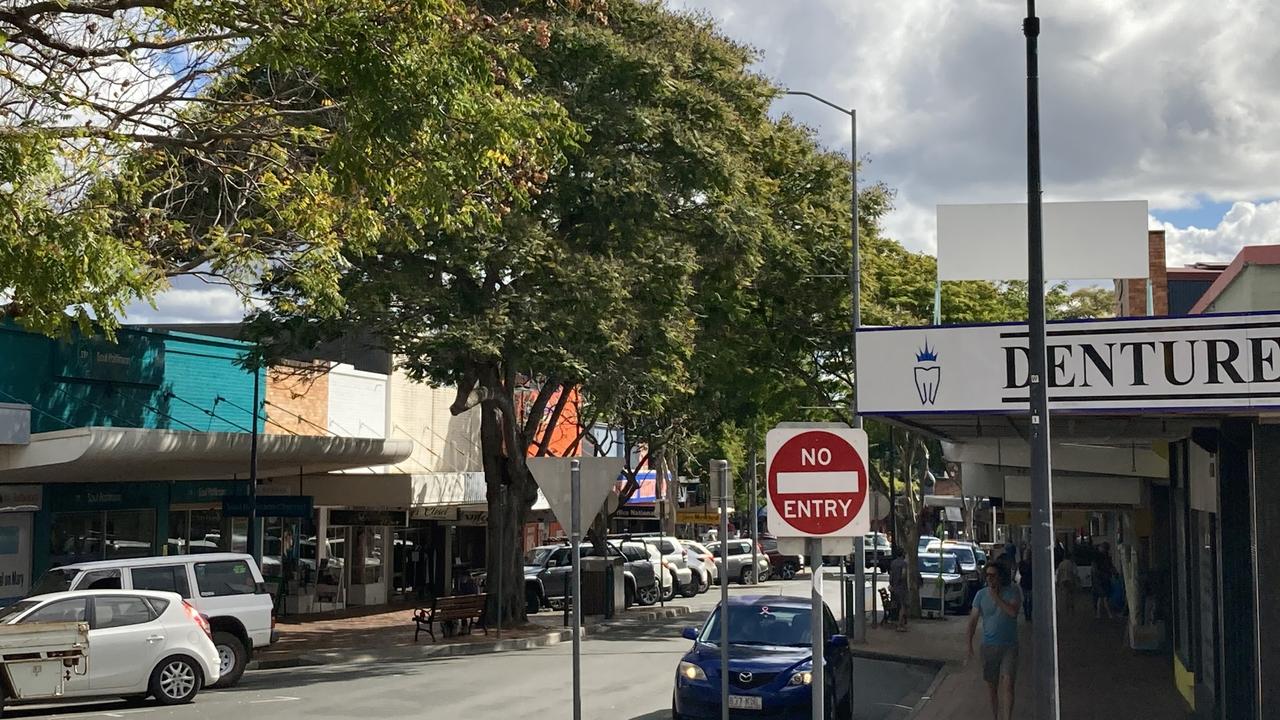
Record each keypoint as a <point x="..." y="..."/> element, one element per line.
<point x="761" y="625"/>
<point x="16" y="609"/>
<point x="538" y="556"/>
<point x="964" y="553"/>
<point x="929" y="563"/>
<point x="55" y="580"/>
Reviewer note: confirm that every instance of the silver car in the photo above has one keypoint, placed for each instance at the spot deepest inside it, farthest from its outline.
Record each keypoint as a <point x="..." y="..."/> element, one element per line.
<point x="739" y="567"/>
<point x="702" y="562"/>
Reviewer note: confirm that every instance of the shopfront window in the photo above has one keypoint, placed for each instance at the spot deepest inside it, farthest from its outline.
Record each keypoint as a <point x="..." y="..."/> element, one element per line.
<point x="110" y="535"/>
<point x="205" y="530"/>
<point x="130" y="534"/>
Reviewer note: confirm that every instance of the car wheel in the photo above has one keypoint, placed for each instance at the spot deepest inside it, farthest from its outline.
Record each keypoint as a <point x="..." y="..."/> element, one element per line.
<point x="788" y="571"/>
<point x="746" y="577"/>
<point x="175" y="681"/>
<point x="532" y="603"/>
<point x="669" y="590"/>
<point x="705" y="585"/>
<point x="648" y="595"/>
<point x="629" y="596"/>
<point x="232" y="659"/>
<point x="691" y="589"/>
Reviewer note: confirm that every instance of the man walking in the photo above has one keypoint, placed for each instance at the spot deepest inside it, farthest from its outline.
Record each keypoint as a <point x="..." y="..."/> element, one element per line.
<point x="997" y="606"/>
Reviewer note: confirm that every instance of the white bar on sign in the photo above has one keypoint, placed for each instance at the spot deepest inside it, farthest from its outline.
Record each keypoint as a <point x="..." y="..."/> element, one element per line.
<point x="817" y="482"/>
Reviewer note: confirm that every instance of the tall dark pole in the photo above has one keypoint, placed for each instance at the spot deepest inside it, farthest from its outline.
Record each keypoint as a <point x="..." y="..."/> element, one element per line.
<point x="252" y="536"/>
<point x="857" y="629"/>
<point x="1044" y="629"/>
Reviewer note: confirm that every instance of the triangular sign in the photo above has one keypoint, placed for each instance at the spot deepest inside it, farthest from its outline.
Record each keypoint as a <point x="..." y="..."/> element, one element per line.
<point x="599" y="477"/>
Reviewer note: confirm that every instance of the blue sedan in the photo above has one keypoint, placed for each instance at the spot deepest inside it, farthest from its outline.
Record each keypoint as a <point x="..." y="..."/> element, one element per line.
<point x="770" y="663"/>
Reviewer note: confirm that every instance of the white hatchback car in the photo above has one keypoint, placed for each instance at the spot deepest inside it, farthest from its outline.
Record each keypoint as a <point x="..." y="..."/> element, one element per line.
<point x="140" y="643"/>
<point x="227" y="588"/>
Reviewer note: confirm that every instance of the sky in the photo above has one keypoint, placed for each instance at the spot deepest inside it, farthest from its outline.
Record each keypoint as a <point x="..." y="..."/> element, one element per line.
<point x="1177" y="104"/>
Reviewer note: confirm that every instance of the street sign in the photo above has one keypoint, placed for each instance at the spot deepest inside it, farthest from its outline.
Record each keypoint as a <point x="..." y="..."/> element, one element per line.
<point x="599" y="479"/>
<point x="817" y="482"/>
<point x="697" y="517"/>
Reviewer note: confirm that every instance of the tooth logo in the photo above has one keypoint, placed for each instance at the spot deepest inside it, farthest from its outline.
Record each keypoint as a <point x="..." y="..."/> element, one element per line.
<point x="928" y="374"/>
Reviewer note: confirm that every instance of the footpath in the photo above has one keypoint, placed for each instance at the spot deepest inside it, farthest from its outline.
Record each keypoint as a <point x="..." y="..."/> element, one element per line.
<point x="1099" y="677"/>
<point x="386" y="634"/>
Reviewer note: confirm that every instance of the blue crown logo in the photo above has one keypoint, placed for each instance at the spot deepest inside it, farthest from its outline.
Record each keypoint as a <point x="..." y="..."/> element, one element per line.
<point x="927" y="354"/>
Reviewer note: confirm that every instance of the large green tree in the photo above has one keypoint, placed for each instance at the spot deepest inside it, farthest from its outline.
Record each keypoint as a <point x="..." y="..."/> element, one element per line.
<point x="248" y="140"/>
<point x="591" y="283"/>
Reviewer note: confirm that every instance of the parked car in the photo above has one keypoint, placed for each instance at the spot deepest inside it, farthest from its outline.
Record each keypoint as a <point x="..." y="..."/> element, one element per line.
<point x="771" y="656"/>
<point x="879" y="552"/>
<point x="140" y="643"/>
<point x="941" y="570"/>
<point x="701" y="562"/>
<point x="739" y="561"/>
<point x="966" y="561"/>
<point x="547" y="571"/>
<point x="781" y="566"/>
<point x="674" y="557"/>
<point x="227" y="588"/>
<point x="642" y="565"/>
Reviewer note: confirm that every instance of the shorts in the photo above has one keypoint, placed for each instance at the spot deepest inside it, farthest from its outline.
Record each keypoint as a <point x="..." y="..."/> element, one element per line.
<point x="999" y="660"/>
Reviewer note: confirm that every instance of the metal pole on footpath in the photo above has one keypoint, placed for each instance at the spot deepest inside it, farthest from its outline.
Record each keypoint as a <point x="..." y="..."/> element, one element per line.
<point x="818" y="632"/>
<point x="502" y="547"/>
<point x="755" y="522"/>
<point x="575" y="537"/>
<point x="1044" y="611"/>
<point x="721" y="467"/>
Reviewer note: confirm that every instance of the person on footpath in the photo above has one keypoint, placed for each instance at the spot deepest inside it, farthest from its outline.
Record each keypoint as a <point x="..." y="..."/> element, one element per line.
<point x="1101" y="576"/>
<point x="997" y="605"/>
<point x="1024" y="581"/>
<point x="898" y="585"/>
<point x="1067" y="582"/>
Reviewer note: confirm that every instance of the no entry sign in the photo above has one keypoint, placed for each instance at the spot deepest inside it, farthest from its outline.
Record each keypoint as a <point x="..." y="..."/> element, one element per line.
<point x="817" y="482"/>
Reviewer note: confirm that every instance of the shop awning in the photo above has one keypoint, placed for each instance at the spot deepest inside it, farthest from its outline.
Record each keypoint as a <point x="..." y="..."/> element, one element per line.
<point x="106" y="454"/>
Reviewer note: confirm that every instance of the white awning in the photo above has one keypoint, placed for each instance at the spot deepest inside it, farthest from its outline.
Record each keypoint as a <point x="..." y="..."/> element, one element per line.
<point x="106" y="454"/>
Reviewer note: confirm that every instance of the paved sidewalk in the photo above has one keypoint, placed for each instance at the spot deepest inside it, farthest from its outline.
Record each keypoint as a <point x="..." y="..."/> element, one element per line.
<point x="1099" y="678"/>
<point x="386" y="633"/>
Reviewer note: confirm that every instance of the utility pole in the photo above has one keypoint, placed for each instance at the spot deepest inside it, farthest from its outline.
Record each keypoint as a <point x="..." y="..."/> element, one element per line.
<point x="1044" y="616"/>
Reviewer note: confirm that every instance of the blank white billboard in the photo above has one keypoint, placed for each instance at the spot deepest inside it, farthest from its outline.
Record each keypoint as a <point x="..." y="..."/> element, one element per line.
<point x="1082" y="241"/>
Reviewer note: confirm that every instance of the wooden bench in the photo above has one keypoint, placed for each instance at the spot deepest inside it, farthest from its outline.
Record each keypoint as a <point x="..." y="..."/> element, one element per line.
<point x="890" y="607"/>
<point x="463" y="609"/>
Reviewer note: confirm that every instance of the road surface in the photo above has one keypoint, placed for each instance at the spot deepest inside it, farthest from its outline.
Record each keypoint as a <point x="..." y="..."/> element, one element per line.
<point x="627" y="675"/>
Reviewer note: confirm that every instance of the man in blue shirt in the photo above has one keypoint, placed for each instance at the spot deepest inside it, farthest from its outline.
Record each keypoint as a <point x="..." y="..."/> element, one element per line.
<point x="997" y="605"/>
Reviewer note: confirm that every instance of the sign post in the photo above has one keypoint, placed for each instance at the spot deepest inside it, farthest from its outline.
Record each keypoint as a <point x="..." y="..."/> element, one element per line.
<point x="817" y="483"/>
<point x="575" y="537"/>
<point x="721" y="469"/>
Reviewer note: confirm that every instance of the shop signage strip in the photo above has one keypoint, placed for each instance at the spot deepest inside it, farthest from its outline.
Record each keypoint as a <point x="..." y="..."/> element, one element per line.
<point x="284" y="506"/>
<point x="370" y="518"/>
<point x="1206" y="362"/>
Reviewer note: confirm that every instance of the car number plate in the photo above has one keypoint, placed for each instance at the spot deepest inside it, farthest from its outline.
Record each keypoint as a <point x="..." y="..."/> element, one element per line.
<point x="744" y="702"/>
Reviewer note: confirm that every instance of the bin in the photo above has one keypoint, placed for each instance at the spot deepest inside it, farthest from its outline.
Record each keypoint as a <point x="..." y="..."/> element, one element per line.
<point x="603" y="586"/>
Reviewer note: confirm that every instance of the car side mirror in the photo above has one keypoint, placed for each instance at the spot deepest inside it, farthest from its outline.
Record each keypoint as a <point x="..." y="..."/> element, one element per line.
<point x="838" y="642"/>
<point x="689" y="633"/>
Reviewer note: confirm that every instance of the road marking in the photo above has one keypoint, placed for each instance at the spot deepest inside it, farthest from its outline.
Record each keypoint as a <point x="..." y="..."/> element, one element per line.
<point x="278" y="698"/>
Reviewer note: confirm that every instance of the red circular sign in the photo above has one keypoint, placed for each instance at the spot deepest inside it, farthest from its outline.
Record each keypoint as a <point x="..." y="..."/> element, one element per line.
<point x="817" y="483"/>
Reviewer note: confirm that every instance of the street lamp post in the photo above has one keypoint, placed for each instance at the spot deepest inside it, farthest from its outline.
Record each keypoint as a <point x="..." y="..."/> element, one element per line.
<point x="859" y="628"/>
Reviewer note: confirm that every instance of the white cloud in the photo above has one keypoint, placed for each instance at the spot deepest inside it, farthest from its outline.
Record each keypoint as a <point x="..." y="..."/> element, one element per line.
<point x="190" y="302"/>
<point x="1139" y="100"/>
<point x="1245" y="223"/>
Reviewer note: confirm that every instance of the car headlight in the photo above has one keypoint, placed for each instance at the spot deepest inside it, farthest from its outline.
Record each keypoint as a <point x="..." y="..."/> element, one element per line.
<point x="803" y="677"/>
<point x="690" y="671"/>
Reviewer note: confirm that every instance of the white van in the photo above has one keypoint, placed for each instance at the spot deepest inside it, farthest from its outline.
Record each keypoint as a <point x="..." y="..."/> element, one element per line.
<point x="227" y="588"/>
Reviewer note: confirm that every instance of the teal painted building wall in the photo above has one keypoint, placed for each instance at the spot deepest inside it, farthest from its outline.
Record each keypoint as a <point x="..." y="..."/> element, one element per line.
<point x="147" y="379"/>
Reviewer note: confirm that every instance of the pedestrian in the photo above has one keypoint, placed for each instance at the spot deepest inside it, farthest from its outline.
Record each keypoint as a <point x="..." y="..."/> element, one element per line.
<point x="1067" y="582"/>
<point x="1010" y="558"/>
<point x="1059" y="552"/>
<point x="996" y="605"/>
<point x="1100" y="578"/>
<point x="898" y="585"/>
<point x="1024" y="582"/>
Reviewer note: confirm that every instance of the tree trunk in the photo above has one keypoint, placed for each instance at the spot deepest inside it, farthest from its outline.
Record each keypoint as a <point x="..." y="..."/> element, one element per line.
<point x="509" y="495"/>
